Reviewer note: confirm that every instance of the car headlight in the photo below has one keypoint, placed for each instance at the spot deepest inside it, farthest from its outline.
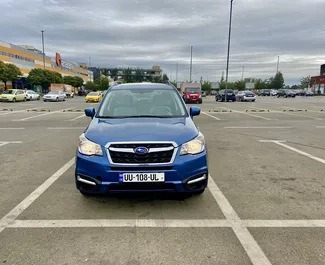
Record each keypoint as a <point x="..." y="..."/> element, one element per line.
<point x="89" y="148"/>
<point x="194" y="146"/>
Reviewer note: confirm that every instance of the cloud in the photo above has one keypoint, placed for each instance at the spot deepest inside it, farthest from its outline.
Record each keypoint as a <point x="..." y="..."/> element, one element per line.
<point x="145" y="33"/>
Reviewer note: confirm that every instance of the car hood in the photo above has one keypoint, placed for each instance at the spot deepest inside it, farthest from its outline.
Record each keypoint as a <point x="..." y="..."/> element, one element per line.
<point x="179" y="130"/>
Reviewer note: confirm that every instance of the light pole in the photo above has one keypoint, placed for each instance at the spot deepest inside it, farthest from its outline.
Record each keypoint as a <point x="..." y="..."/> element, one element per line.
<point x="191" y="64"/>
<point x="227" y="69"/>
<point x="43" y="48"/>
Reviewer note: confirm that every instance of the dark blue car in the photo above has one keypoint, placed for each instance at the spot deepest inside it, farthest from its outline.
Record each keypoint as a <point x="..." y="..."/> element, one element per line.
<point x="141" y="138"/>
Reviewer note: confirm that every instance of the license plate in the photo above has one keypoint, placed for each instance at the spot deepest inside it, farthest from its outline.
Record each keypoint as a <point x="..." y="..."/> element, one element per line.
<point x="142" y="177"/>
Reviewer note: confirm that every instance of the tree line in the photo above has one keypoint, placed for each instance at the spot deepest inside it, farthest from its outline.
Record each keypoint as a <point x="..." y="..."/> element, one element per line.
<point x="44" y="78"/>
<point x="9" y="72"/>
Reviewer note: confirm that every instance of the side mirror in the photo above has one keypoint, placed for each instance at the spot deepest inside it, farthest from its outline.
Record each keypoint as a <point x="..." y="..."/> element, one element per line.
<point x="195" y="111"/>
<point x="90" y="112"/>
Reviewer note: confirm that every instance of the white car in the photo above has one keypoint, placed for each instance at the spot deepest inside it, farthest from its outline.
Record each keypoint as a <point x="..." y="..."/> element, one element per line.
<point x="55" y="96"/>
<point x="31" y="95"/>
<point x="245" y="96"/>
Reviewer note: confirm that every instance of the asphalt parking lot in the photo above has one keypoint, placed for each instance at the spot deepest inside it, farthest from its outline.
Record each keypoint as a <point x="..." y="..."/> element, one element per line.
<point x="265" y="203"/>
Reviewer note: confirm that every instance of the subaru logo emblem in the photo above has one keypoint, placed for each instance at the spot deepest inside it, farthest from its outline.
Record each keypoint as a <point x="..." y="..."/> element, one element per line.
<point x="141" y="150"/>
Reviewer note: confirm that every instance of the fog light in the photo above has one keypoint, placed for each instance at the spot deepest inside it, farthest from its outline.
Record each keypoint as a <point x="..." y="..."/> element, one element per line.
<point x="197" y="179"/>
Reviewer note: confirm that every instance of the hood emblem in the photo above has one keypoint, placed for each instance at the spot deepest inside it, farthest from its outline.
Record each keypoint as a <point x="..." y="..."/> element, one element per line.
<point x="141" y="150"/>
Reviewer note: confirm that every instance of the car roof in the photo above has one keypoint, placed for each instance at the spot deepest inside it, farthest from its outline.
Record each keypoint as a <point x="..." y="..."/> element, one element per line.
<point x="143" y="86"/>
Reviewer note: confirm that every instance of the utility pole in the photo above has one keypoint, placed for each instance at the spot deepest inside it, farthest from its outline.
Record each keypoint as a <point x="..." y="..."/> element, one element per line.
<point x="277" y="65"/>
<point x="242" y="74"/>
<point x="176" y="73"/>
<point x="191" y="64"/>
<point x="229" y="36"/>
<point x="43" y="49"/>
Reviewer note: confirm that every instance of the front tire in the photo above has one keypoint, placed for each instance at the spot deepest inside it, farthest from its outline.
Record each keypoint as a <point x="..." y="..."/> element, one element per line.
<point x="14" y="100"/>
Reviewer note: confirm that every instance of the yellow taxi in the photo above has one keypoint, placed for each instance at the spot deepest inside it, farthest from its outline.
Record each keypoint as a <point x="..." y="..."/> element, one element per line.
<point x="94" y="97"/>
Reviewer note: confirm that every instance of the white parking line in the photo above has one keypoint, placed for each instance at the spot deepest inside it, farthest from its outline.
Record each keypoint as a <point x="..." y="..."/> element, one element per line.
<point x="253" y="250"/>
<point x="40" y="115"/>
<point x="119" y="223"/>
<point x="65" y="128"/>
<point x="79" y="117"/>
<point x="15" y="212"/>
<point x="252" y="115"/>
<point x="304" y="116"/>
<point x="281" y="143"/>
<point x="284" y="223"/>
<point x="12" y="128"/>
<point x="270" y="127"/>
<point x="214" y="117"/>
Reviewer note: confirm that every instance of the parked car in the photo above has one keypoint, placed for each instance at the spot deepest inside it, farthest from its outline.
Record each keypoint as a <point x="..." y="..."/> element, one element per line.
<point x="309" y="94"/>
<point x="32" y="95"/>
<point x="213" y="92"/>
<point x="274" y="92"/>
<point x="221" y="95"/>
<point x="94" y="97"/>
<point x="245" y="96"/>
<point x="142" y="138"/>
<point x="203" y="94"/>
<point x="55" y="96"/>
<point x="13" y="95"/>
<point x="286" y="93"/>
<point x="265" y="92"/>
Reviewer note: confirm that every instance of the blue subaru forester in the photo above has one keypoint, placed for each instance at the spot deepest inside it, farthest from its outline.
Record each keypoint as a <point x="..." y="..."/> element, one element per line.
<point x="141" y="138"/>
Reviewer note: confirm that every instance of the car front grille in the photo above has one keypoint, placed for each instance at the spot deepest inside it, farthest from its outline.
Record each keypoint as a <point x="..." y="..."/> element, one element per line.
<point x="123" y="153"/>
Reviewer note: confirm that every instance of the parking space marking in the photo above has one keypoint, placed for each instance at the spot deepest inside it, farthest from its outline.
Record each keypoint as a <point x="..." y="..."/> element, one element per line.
<point x="257" y="127"/>
<point x="2" y="143"/>
<point x="281" y="143"/>
<point x="214" y="117"/>
<point x="79" y="117"/>
<point x="253" y="250"/>
<point x="252" y="115"/>
<point x="304" y="116"/>
<point x="119" y="223"/>
<point x="65" y="128"/>
<point x="284" y="223"/>
<point x="12" y="128"/>
<point x="40" y="115"/>
<point x="15" y="212"/>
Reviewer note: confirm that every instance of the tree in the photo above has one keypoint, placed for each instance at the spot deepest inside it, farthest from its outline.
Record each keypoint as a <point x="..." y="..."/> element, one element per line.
<point x="36" y="77"/>
<point x="104" y="83"/>
<point x="165" y="78"/>
<point x="240" y="85"/>
<point x="260" y="84"/>
<point x="305" y="82"/>
<point x="114" y="73"/>
<point x="278" y="81"/>
<point x="90" y="86"/>
<point x="78" y="81"/>
<point x="58" y="78"/>
<point x="69" y="80"/>
<point x="138" y="77"/>
<point x="9" y="72"/>
<point x="128" y="78"/>
<point x="156" y="79"/>
<point x="206" y="86"/>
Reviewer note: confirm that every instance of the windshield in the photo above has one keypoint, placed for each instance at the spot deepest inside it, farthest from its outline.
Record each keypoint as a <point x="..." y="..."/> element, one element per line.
<point x="192" y="89"/>
<point x="142" y="103"/>
<point x="93" y="94"/>
<point x="10" y="92"/>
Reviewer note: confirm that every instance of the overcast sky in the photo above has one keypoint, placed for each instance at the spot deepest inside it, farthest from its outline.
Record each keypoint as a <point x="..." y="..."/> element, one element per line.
<point x="142" y="33"/>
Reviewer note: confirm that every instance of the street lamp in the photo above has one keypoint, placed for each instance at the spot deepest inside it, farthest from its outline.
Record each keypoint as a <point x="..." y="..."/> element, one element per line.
<point x="227" y="69"/>
<point x="43" y="48"/>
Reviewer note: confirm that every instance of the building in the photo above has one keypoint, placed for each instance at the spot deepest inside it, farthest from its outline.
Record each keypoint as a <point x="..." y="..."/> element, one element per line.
<point x="120" y="73"/>
<point x="318" y="82"/>
<point x="27" y="58"/>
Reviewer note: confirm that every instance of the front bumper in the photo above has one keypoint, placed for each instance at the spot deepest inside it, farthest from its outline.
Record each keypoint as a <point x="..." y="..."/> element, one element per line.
<point x="249" y="98"/>
<point x="94" y="174"/>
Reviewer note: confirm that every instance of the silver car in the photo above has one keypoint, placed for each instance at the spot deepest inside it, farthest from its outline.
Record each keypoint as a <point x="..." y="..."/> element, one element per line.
<point x="54" y="96"/>
<point x="32" y="95"/>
